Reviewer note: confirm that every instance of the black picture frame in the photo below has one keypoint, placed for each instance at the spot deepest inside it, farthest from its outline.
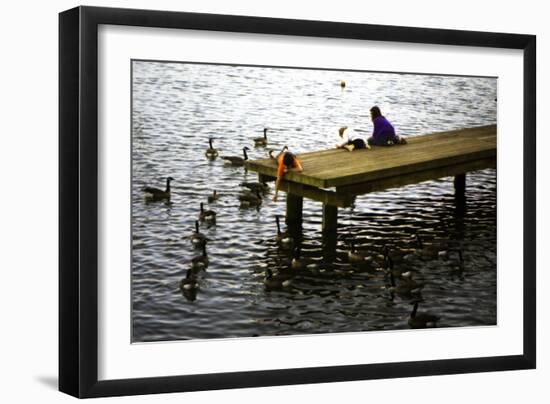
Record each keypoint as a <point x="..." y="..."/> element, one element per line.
<point x="78" y="200"/>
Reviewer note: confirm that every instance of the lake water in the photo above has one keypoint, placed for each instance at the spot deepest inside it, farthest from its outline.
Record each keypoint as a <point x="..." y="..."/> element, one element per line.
<point x="177" y="107"/>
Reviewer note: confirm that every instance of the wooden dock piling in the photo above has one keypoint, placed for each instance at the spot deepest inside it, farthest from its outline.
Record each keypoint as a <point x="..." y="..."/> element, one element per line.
<point x="294" y="208"/>
<point x="460" y="185"/>
<point x="329" y="230"/>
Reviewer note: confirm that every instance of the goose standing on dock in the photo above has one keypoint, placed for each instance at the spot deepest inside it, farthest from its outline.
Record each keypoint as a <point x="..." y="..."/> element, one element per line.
<point x="272" y="155"/>
<point x="235" y="160"/>
<point x="211" y="153"/>
<point x="422" y="320"/>
<point x="207" y="215"/>
<point x="261" y="141"/>
<point x="155" y="193"/>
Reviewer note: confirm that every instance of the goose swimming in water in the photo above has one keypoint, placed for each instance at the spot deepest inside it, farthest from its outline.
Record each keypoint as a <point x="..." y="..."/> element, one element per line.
<point x="407" y="286"/>
<point x="211" y="153"/>
<point x="272" y="282"/>
<point x="297" y="263"/>
<point x="250" y="198"/>
<point x="198" y="239"/>
<point x="201" y="261"/>
<point x="190" y="282"/>
<point x="261" y="141"/>
<point x="422" y="320"/>
<point x="255" y="186"/>
<point x="353" y="255"/>
<point x="458" y="268"/>
<point x="214" y="197"/>
<point x="282" y="238"/>
<point x="208" y="215"/>
<point x="426" y="251"/>
<point x="156" y="193"/>
<point x="235" y="160"/>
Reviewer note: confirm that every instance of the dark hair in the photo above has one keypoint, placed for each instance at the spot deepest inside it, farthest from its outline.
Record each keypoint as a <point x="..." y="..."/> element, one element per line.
<point x="375" y="111"/>
<point x="288" y="159"/>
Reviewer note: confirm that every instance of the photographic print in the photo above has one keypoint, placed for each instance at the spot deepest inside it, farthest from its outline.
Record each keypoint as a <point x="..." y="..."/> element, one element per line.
<point x="274" y="201"/>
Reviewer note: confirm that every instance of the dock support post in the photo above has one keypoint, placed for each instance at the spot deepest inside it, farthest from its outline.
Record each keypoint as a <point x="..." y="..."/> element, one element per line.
<point x="460" y="194"/>
<point x="294" y="206"/>
<point x="330" y="231"/>
<point x="460" y="185"/>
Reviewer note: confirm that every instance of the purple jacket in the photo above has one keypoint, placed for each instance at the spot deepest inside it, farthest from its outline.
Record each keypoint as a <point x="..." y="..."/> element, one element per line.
<point x="383" y="129"/>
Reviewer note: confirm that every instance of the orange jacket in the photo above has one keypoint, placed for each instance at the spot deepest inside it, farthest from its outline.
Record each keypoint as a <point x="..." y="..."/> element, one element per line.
<point x="281" y="166"/>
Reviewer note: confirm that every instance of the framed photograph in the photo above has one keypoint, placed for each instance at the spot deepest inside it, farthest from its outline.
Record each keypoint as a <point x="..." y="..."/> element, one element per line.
<point x="250" y="201"/>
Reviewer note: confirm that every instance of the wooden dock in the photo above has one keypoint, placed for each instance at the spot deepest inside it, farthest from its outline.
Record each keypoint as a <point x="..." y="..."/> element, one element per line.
<point x="335" y="177"/>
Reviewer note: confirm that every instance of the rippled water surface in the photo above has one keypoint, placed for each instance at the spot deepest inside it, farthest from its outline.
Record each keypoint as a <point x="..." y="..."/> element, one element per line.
<point x="177" y="107"/>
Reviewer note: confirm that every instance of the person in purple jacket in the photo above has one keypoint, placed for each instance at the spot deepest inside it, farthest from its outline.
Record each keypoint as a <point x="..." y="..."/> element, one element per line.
<point x="383" y="133"/>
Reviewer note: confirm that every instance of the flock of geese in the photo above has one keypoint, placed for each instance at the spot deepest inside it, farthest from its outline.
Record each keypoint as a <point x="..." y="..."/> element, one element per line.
<point x="250" y="195"/>
<point x="399" y="278"/>
<point x="401" y="283"/>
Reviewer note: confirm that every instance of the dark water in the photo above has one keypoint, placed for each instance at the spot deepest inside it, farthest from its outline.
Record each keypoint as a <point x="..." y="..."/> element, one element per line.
<point x="177" y="107"/>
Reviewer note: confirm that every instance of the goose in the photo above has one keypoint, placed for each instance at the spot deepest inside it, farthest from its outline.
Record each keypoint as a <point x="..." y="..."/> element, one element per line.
<point x="353" y="255"/>
<point x="198" y="239"/>
<point x="253" y="186"/>
<point x="418" y="240"/>
<point x="297" y="263"/>
<point x="200" y="261"/>
<point x="190" y="282"/>
<point x="426" y="251"/>
<point x="237" y="161"/>
<point x="312" y="265"/>
<point x="283" y="238"/>
<point x="415" y="287"/>
<point x="208" y="215"/>
<point x="156" y="193"/>
<point x="214" y="197"/>
<point x="389" y="266"/>
<point x="250" y="198"/>
<point x="458" y="268"/>
<point x="275" y="157"/>
<point x="421" y="320"/>
<point x="405" y="288"/>
<point x="461" y="260"/>
<point x="261" y="141"/>
<point x="272" y="282"/>
<point x="211" y="153"/>
<point x="342" y="84"/>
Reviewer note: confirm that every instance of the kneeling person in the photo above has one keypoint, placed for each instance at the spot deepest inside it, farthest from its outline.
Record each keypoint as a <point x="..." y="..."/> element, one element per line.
<point x="383" y="133"/>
